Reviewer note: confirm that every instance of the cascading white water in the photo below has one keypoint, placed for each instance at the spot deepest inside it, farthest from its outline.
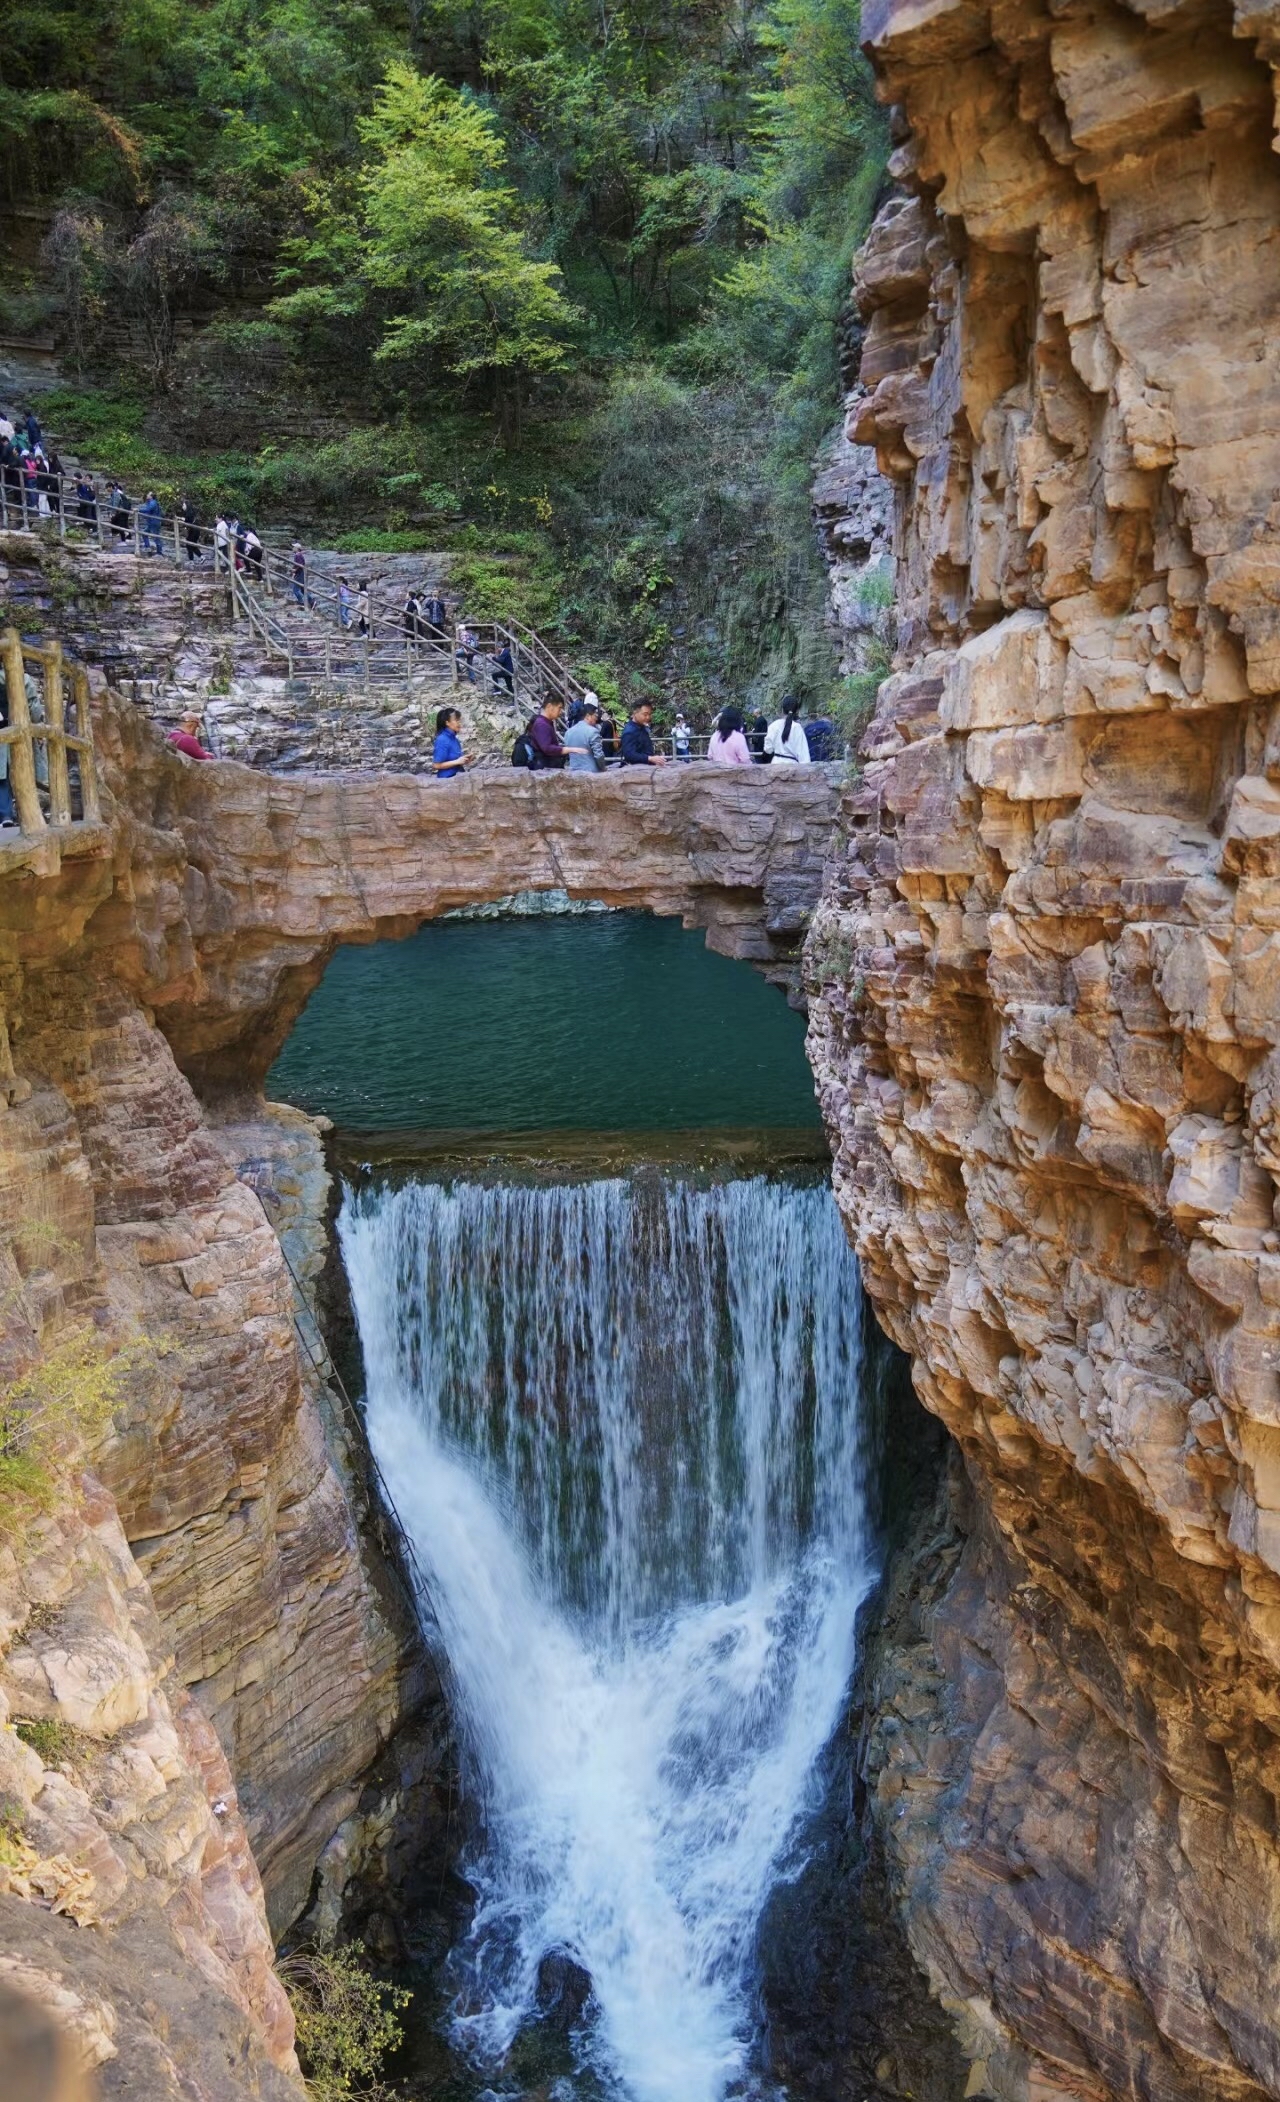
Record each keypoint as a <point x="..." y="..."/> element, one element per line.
<point x="623" y="1424"/>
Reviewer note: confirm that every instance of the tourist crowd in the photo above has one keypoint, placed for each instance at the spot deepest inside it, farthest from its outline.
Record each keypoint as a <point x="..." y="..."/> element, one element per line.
<point x="31" y="476"/>
<point x="590" y="741"/>
<point x="587" y="740"/>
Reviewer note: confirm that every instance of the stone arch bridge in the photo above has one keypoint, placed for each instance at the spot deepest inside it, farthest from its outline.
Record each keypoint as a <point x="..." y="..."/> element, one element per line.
<point x="216" y="894"/>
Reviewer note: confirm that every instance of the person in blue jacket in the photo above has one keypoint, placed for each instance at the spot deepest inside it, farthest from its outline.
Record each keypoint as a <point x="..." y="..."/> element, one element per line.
<point x="637" y="739"/>
<point x="448" y="757"/>
<point x="152" y="518"/>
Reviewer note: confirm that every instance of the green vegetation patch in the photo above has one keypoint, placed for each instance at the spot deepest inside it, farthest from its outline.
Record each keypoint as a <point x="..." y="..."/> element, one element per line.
<point x="396" y="280"/>
<point x="347" y="2020"/>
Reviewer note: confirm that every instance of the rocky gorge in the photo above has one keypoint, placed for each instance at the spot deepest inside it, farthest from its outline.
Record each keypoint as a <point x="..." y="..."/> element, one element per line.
<point x="217" y="1713"/>
<point x="1044" y="1023"/>
<point x="1040" y="979"/>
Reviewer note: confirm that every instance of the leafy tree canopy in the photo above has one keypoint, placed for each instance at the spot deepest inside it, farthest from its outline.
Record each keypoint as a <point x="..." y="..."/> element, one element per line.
<point x="616" y="231"/>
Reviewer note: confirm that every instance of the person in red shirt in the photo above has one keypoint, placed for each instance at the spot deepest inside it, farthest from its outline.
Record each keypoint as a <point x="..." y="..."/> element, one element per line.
<point x="186" y="738"/>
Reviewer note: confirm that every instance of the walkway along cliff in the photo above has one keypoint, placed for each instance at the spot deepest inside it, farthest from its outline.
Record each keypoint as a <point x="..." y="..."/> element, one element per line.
<point x="1045" y="1023"/>
<point x="228" y="1714"/>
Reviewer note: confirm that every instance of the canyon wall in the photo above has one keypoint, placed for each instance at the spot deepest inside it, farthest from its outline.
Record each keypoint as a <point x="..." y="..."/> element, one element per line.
<point x="1045" y="1011"/>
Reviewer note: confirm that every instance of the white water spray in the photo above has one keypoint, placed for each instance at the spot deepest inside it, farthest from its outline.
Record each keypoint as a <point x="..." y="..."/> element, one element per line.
<point x="623" y="1425"/>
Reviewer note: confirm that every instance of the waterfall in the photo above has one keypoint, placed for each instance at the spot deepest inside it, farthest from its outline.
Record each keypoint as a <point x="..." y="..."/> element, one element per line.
<point x="623" y="1424"/>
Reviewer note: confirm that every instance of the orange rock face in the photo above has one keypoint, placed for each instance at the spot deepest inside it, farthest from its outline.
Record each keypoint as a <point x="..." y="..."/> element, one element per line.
<point x="1046" y="1013"/>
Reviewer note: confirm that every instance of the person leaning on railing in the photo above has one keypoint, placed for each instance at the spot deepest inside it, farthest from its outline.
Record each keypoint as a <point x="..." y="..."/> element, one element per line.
<point x="186" y="737"/>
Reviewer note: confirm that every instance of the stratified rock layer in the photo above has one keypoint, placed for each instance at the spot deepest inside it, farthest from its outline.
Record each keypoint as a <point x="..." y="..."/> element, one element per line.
<point x="230" y="888"/>
<point x="1046" y="1019"/>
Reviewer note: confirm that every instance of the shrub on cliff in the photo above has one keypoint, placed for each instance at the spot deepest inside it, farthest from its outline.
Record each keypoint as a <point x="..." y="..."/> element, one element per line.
<point x="60" y="1405"/>
<point x="347" y="2019"/>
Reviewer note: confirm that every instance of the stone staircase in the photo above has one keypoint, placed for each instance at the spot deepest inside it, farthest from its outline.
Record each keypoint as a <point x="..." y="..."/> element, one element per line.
<point x="311" y="639"/>
<point x="289" y="685"/>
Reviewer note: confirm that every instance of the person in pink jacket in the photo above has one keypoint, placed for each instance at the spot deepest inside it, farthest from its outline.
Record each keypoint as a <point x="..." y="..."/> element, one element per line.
<point x="728" y="746"/>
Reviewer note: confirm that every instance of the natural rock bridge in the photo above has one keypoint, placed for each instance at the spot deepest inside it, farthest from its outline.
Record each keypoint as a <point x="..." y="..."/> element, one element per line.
<point x="217" y="894"/>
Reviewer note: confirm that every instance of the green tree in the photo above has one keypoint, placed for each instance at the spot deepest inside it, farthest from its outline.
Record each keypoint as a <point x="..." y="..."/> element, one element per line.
<point x="434" y="248"/>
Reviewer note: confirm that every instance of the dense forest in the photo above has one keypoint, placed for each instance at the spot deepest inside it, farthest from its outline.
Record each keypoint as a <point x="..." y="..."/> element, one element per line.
<point x="556" y="285"/>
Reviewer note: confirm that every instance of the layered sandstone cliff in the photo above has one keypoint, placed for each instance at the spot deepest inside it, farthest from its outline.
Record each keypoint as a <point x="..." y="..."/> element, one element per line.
<point x="1046" y="1015"/>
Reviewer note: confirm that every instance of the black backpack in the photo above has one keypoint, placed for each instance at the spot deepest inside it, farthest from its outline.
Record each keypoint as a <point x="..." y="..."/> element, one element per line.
<point x="524" y="751"/>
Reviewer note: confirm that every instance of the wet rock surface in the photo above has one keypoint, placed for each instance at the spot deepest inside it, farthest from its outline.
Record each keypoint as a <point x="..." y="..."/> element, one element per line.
<point x="1043" y="1017"/>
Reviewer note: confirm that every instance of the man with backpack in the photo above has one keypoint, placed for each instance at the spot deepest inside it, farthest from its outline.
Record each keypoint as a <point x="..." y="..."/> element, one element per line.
<point x="538" y="746"/>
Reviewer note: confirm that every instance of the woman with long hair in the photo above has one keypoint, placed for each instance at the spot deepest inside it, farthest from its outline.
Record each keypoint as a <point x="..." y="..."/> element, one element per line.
<point x="786" y="741"/>
<point x="728" y="746"/>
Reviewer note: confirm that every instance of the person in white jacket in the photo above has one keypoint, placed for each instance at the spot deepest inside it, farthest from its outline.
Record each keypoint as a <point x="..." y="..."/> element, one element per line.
<point x="785" y="742"/>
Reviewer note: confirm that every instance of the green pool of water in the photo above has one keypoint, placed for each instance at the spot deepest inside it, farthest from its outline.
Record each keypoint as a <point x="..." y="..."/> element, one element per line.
<point x="619" y="1022"/>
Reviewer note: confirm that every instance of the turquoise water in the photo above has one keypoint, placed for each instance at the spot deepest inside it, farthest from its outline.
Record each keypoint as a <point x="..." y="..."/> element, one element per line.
<point x="616" y="1022"/>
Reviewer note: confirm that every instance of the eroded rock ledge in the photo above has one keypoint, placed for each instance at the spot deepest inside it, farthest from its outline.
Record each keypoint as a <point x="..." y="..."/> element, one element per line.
<point x="1048" y="1018"/>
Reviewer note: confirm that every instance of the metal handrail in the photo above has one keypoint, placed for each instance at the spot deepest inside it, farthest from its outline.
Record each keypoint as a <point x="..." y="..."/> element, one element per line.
<point x="538" y="671"/>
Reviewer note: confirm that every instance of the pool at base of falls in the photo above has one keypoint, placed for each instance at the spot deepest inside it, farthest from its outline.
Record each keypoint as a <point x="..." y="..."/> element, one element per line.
<point x="620" y="1023"/>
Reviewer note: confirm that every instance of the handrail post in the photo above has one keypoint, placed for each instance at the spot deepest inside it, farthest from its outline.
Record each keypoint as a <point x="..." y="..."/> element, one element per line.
<point x="22" y="768"/>
<point x="55" y="738"/>
<point x="90" y="804"/>
<point x="137" y="534"/>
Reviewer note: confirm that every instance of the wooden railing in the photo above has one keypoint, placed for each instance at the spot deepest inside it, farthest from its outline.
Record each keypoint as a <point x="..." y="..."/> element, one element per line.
<point x="48" y="737"/>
